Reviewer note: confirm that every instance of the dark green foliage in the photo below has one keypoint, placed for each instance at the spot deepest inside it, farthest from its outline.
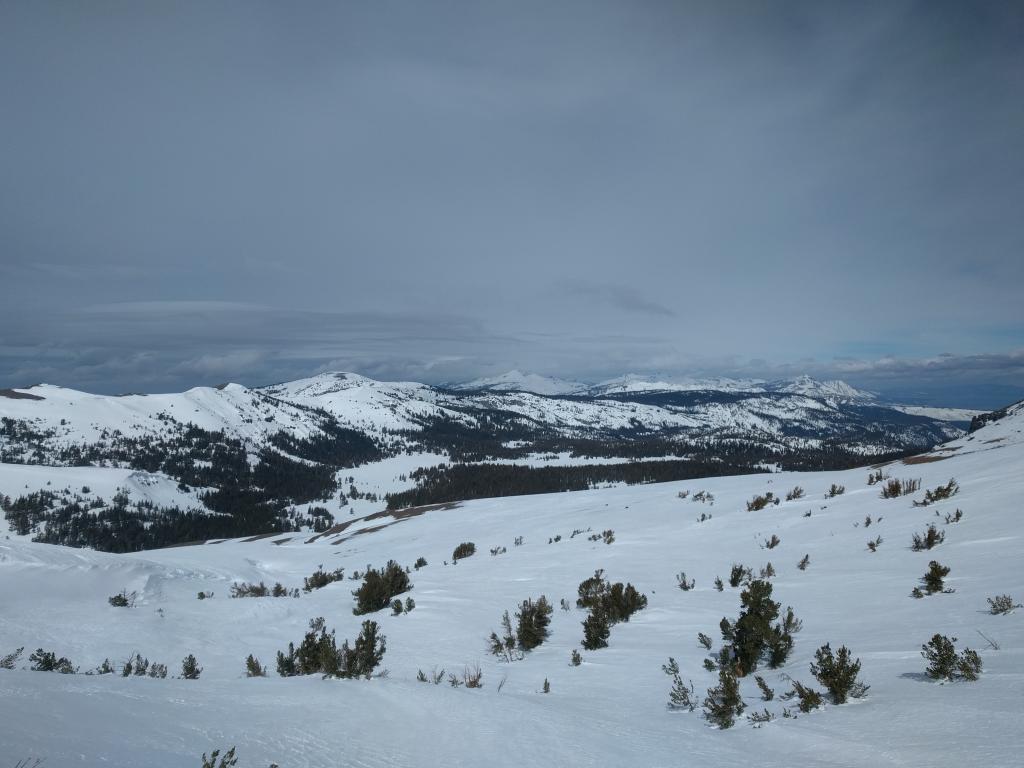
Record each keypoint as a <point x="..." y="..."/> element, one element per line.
<point x="420" y="563"/>
<point x="204" y="595"/>
<point x="753" y="628"/>
<point x="718" y="583"/>
<point x="685" y="585"/>
<point x="456" y="482"/>
<point x="547" y="686"/>
<point x="190" y="669"/>
<point x="532" y="620"/>
<point x="464" y="550"/>
<point x="738" y="574"/>
<point x="931" y="537"/>
<point x="945" y="664"/>
<point x="319" y="653"/>
<point x="244" y="589"/>
<point x="796" y="493"/>
<point x="122" y="599"/>
<point x="772" y="543"/>
<point x="933" y="580"/>
<point x="780" y="642"/>
<point x="835" y="490"/>
<point x="809" y="699"/>
<point x="723" y="703"/>
<point x="253" y="668"/>
<point x="228" y="760"/>
<point x="379" y="587"/>
<point x="409" y="604"/>
<point x="679" y="696"/>
<point x="875" y="544"/>
<point x="596" y="629"/>
<point x="321" y="578"/>
<point x="804" y="562"/>
<point x="766" y="693"/>
<point x="939" y="494"/>
<point x="47" y="661"/>
<point x="158" y="670"/>
<point x="396" y="607"/>
<point x="704" y="640"/>
<point x="837" y="673"/>
<point x="8" y="661"/>
<point x="575" y="659"/>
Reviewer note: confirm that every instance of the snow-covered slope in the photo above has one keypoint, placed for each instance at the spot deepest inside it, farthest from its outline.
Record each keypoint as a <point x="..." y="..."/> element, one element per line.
<point x="516" y="381"/>
<point x="610" y="711"/>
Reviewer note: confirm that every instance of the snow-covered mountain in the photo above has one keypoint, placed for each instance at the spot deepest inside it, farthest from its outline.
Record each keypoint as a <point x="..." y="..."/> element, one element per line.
<point x="516" y="381"/>
<point x="339" y="443"/>
<point x="611" y="709"/>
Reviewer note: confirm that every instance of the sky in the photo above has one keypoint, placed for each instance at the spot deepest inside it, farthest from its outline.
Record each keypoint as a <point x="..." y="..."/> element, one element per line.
<point x="192" y="193"/>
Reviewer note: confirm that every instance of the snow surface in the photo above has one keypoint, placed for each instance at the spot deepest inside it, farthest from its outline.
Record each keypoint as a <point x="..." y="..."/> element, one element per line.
<point x="610" y="711"/>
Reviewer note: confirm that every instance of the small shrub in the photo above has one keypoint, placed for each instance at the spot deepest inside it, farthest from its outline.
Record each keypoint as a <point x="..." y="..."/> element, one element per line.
<point x="434" y="677"/>
<point x="48" y="661"/>
<point x="204" y="595"/>
<point x="768" y="571"/>
<point x="956" y="517"/>
<point x="505" y="647"/>
<point x="473" y="676"/>
<point x="8" y="661"/>
<point x="464" y="550"/>
<point x="930" y="538"/>
<point x="809" y="699"/>
<point x="421" y="562"/>
<point x="190" y="669"/>
<point x="158" y="670"/>
<point x="244" y="589"/>
<point x="739" y="574"/>
<point x="719" y="585"/>
<point x="227" y="761"/>
<point x="796" y="493"/>
<point x="547" y="686"/>
<point x="123" y="599"/>
<point x="575" y="659"/>
<point x="680" y="696"/>
<point x="772" y="543"/>
<point x="321" y="578"/>
<point x="684" y="585"/>
<point x="835" y="490"/>
<point x="704" y="641"/>
<point x="760" y="502"/>
<point x="498" y="551"/>
<point x="757" y="719"/>
<point x="945" y="664"/>
<point x="998" y="605"/>
<point x="804" y="562"/>
<point x="532" y="622"/>
<point x="875" y="477"/>
<point x="894" y="488"/>
<point x="409" y="604"/>
<point x="253" y="668"/>
<point x="875" y="544"/>
<point x="933" y="580"/>
<point x="396" y="607"/>
<point x="940" y="493"/>
<point x="838" y="673"/>
<point x="379" y="587"/>
<point x="766" y="693"/>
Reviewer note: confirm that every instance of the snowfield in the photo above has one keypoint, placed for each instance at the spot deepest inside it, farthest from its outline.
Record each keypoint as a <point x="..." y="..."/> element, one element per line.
<point x="611" y="710"/>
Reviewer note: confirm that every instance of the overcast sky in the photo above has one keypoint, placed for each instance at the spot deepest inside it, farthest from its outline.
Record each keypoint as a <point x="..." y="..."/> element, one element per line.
<point x="199" y="192"/>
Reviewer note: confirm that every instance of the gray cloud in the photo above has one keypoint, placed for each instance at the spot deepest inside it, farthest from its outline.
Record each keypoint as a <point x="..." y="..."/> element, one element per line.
<point x="579" y="188"/>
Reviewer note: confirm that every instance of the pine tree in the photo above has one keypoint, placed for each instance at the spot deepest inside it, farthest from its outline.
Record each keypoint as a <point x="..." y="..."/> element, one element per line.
<point x="253" y="668"/>
<point x="190" y="669"/>
<point x="723" y="703"/>
<point x="595" y="630"/>
<point x="679" y="697"/>
<point x="837" y="673"/>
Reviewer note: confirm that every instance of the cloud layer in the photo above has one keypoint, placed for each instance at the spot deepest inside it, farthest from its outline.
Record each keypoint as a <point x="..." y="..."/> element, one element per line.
<point x="256" y="191"/>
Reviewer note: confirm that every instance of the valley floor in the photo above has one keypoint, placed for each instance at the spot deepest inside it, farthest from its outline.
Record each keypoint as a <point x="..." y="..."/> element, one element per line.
<point x="609" y="711"/>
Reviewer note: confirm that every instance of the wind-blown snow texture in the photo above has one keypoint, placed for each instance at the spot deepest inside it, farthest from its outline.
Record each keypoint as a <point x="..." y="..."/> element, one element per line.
<point x="610" y="711"/>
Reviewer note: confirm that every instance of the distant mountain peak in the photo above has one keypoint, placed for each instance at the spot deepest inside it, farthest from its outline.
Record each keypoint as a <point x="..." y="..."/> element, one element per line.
<point x="517" y="381"/>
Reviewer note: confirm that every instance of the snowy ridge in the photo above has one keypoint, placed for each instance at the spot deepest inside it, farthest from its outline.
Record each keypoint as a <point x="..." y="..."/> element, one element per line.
<point x="611" y="710"/>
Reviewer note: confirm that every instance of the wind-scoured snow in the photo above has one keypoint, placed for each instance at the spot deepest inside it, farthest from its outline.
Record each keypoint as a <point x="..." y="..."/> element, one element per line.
<point x="611" y="710"/>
